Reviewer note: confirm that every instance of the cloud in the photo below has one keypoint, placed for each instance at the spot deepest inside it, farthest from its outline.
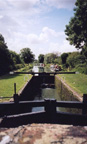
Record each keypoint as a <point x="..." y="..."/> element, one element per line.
<point x="46" y="35"/>
<point x="34" y="39"/>
<point x="66" y="47"/>
<point x="19" y="7"/>
<point x="63" y="47"/>
<point x="68" y="4"/>
<point x="24" y="4"/>
<point x="34" y="6"/>
<point x="27" y="4"/>
<point x="39" y="43"/>
<point x="51" y="32"/>
<point x="3" y="4"/>
<point x="1" y="16"/>
<point x="8" y="25"/>
<point x="54" y="47"/>
<point x="29" y="23"/>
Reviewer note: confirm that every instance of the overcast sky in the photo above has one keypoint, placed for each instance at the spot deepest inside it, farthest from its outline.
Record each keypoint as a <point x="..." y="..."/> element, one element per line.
<point x="37" y="24"/>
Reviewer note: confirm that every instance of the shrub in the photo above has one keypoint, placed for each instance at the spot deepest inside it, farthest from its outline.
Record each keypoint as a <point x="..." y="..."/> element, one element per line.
<point x="82" y="68"/>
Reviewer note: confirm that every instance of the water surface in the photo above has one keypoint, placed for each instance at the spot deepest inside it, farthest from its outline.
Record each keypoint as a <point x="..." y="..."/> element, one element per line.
<point x="52" y="93"/>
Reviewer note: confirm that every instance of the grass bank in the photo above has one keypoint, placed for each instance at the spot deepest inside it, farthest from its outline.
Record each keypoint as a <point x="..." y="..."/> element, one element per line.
<point x="7" y="83"/>
<point x="76" y="81"/>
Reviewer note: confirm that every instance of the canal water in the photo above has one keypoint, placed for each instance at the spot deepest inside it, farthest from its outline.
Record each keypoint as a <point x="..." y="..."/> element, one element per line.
<point x="52" y="93"/>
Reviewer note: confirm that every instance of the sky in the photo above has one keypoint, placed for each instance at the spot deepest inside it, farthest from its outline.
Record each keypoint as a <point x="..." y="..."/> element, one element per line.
<point x="36" y="24"/>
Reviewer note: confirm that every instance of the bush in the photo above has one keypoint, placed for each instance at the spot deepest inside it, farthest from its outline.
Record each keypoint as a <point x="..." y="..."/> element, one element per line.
<point x="19" y="66"/>
<point x="82" y="68"/>
<point x="85" y="70"/>
<point x="26" y="68"/>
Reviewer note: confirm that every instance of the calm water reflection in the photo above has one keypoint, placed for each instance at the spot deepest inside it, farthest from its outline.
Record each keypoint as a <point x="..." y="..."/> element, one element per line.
<point x="52" y="93"/>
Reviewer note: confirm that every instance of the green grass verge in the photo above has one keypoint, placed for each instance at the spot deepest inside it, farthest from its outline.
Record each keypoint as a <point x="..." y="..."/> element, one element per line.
<point x="77" y="81"/>
<point x="7" y="83"/>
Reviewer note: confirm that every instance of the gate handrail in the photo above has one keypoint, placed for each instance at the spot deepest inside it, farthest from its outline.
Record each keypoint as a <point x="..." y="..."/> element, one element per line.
<point x="42" y="103"/>
<point x="44" y="73"/>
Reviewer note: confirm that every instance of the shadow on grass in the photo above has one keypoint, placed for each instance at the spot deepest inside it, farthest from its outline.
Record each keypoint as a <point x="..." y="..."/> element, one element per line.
<point x="9" y="76"/>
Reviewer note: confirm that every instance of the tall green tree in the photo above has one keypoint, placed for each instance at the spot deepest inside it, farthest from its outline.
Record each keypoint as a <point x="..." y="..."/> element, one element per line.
<point x="76" y="30"/>
<point x="15" y="58"/>
<point x="64" y="57"/>
<point x="74" y="59"/>
<point x="27" y="55"/>
<point x="4" y="56"/>
<point x="41" y="58"/>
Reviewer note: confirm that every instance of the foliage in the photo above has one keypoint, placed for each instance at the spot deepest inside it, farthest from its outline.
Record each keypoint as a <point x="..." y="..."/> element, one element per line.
<point x="41" y="58"/>
<point x="15" y="57"/>
<point x="74" y="59"/>
<point x="76" y="30"/>
<point x="15" y="61"/>
<point x="10" y="60"/>
<point x="4" y="56"/>
<point x="51" y="58"/>
<point x="77" y="81"/>
<point x="27" y="55"/>
<point x="81" y="68"/>
<point x="64" y="57"/>
<point x="26" y="68"/>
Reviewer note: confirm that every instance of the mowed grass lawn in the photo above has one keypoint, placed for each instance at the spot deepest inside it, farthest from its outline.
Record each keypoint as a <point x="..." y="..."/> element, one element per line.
<point x="7" y="83"/>
<point x="77" y="81"/>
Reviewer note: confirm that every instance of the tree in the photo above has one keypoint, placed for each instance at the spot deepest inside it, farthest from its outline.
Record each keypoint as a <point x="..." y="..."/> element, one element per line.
<point x="76" y="30"/>
<point x="27" y="55"/>
<point x="41" y="58"/>
<point x="4" y="56"/>
<point x="64" y="57"/>
<point x="51" y="58"/>
<point x="15" y="58"/>
<point x="74" y="59"/>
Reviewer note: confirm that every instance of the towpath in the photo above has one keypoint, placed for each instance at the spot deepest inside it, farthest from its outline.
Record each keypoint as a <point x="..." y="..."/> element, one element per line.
<point x="44" y="134"/>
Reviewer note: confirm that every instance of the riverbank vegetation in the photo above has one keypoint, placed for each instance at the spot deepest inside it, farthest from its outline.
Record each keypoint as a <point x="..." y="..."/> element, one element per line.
<point x="7" y="83"/>
<point x="10" y="60"/>
<point x="76" y="32"/>
<point x="77" y="82"/>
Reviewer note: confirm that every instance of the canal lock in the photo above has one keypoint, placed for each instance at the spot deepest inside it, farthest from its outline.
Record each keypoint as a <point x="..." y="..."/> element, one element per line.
<point x="42" y="87"/>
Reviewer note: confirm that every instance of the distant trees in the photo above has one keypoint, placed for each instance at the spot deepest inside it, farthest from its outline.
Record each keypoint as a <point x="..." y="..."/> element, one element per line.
<point x="76" y="30"/>
<point x="27" y="55"/>
<point x="15" y="57"/>
<point x="41" y="58"/>
<point x="10" y="60"/>
<point x="51" y="58"/>
<point x="15" y="60"/>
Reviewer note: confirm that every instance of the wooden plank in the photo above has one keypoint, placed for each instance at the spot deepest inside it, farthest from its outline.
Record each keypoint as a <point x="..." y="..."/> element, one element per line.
<point x="69" y="104"/>
<point x="44" y="73"/>
<point x="21" y="103"/>
<point x="43" y="117"/>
